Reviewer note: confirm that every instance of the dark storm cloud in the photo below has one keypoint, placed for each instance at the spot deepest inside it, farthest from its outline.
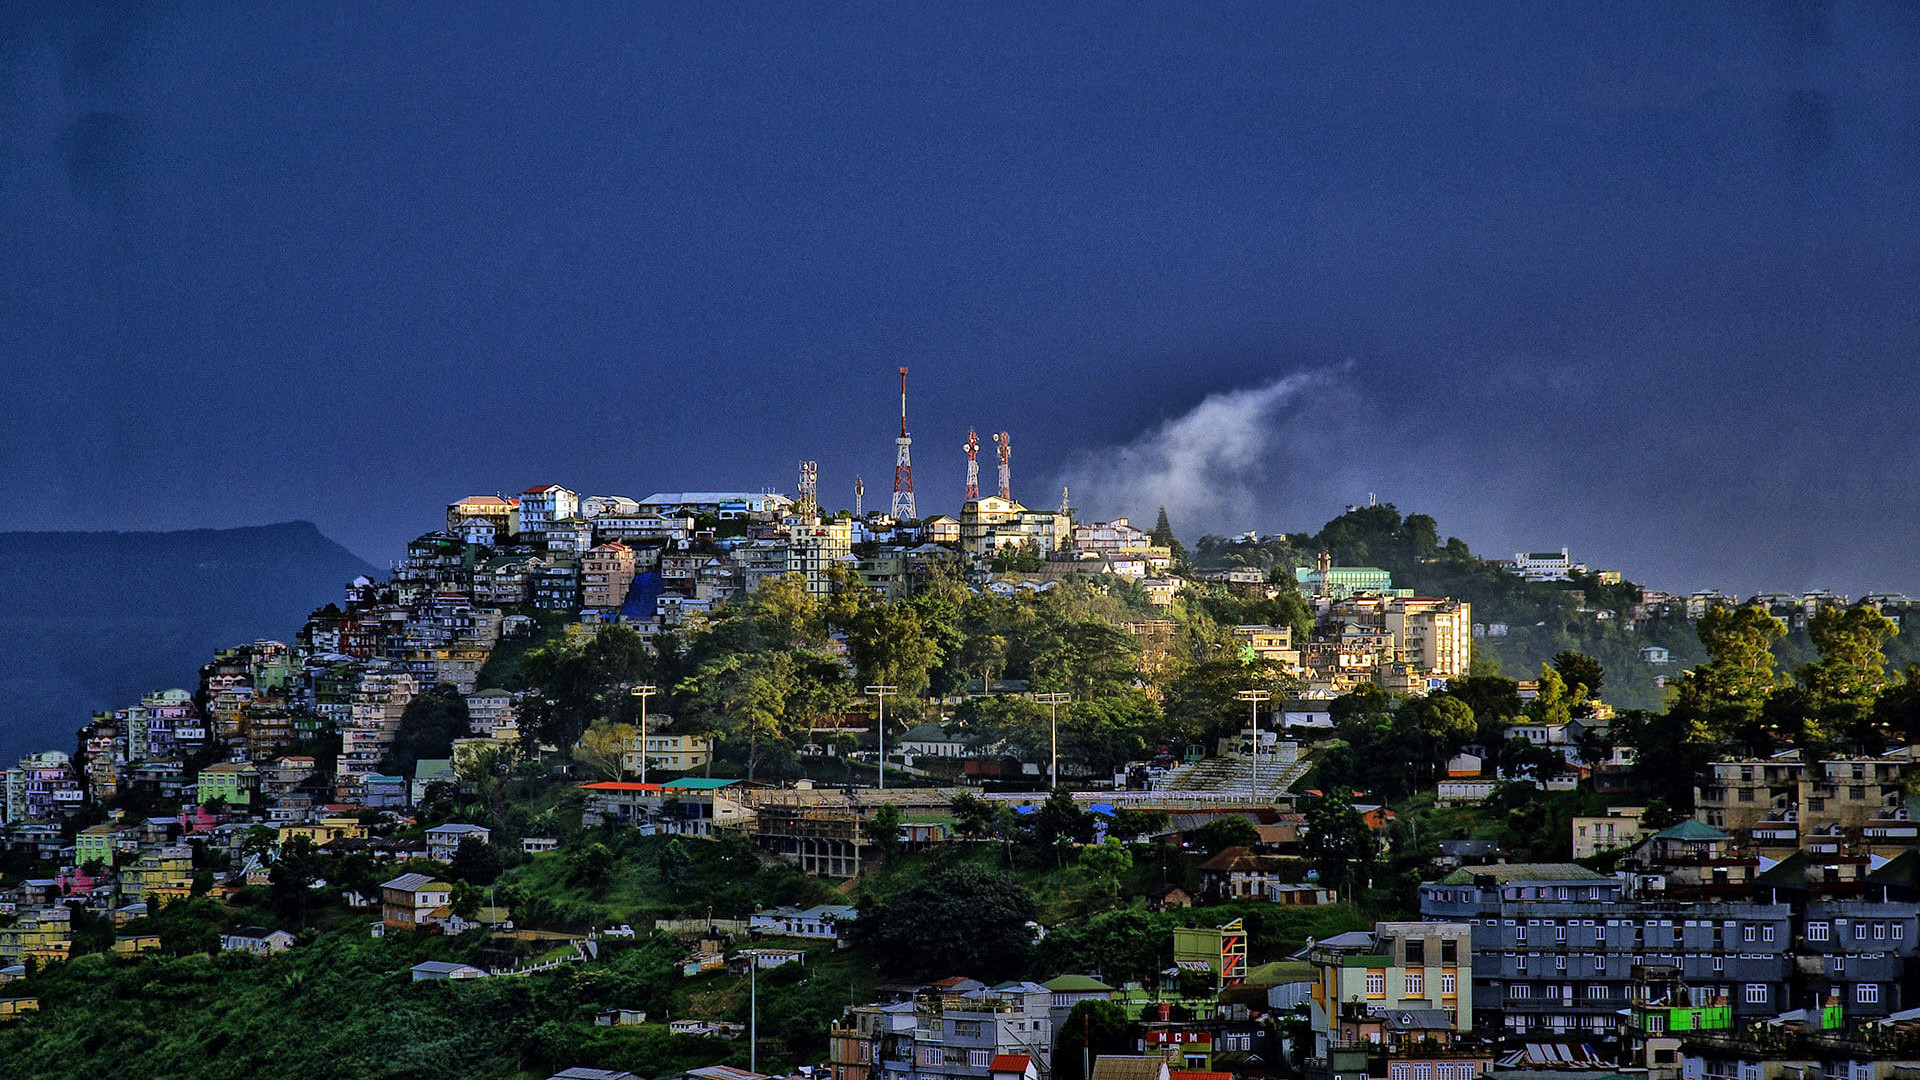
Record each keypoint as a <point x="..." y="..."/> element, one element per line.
<point x="100" y="152"/>
<point x="1639" y="278"/>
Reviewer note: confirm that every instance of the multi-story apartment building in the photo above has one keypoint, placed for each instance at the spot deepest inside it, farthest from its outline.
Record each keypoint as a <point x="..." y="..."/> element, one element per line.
<point x="606" y="573"/>
<point x="637" y="526"/>
<point x="165" y="871"/>
<point x="1784" y="801"/>
<point x="668" y="753"/>
<point x="103" y="755"/>
<point x="948" y="1031"/>
<point x="557" y="587"/>
<point x="1619" y="827"/>
<point x="814" y="548"/>
<point x="1432" y="636"/>
<point x="488" y="710"/>
<point x="44" y="786"/>
<point x="990" y="523"/>
<point x="1395" y="967"/>
<point x="506" y="581"/>
<point x="1270" y="643"/>
<point x="542" y="506"/>
<point x="568" y="538"/>
<point x="43" y="933"/>
<point x="1555" y="947"/>
<point x="378" y="702"/>
<point x="1108" y="535"/>
<point x="500" y="511"/>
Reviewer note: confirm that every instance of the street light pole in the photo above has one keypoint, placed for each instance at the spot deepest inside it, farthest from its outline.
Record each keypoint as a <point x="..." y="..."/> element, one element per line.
<point x="1253" y="698"/>
<point x="1053" y="702"/>
<point x="880" y="726"/>
<point x="643" y="692"/>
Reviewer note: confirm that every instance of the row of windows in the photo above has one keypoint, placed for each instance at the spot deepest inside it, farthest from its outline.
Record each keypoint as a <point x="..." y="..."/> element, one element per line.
<point x="1754" y="993"/>
<point x="1863" y="930"/>
<point x="1524" y="991"/>
<point x="1415" y="986"/>
<point x="1443" y="1071"/>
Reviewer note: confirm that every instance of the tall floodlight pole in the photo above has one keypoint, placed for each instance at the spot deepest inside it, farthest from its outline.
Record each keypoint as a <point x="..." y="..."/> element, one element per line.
<point x="1053" y="702"/>
<point x="643" y="692"/>
<point x="1253" y="698"/>
<point x="880" y="693"/>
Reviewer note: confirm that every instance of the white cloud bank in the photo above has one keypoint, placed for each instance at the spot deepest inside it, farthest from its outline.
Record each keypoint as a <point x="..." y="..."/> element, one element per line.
<point x="1241" y="459"/>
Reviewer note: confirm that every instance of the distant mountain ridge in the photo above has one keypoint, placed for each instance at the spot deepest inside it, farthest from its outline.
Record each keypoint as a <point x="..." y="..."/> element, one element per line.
<point x="92" y="620"/>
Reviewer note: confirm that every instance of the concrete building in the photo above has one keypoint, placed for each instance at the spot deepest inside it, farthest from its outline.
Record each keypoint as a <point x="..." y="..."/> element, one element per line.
<point x="815" y="547"/>
<point x="541" y="506"/>
<point x="1784" y="802"/>
<point x="668" y="753"/>
<point x="948" y="1032"/>
<point x="1396" y="965"/>
<point x="1340" y="582"/>
<point x="990" y="523"/>
<point x="1546" y="565"/>
<point x="378" y="703"/>
<point x="606" y="573"/>
<point x="1618" y="828"/>
<point x="1555" y="948"/>
<point x="499" y="511"/>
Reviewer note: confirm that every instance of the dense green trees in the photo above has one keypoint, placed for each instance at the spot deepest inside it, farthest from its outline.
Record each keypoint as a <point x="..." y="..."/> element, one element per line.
<point x="1226" y="831"/>
<point x="577" y="685"/>
<point x="1339" y="844"/>
<point x="962" y="920"/>
<point x="428" y="726"/>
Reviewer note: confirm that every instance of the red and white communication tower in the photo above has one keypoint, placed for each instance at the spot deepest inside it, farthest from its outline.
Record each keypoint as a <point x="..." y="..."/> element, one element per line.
<point x="973" y="466"/>
<point x="903" y="509"/>
<point x="1005" y="442"/>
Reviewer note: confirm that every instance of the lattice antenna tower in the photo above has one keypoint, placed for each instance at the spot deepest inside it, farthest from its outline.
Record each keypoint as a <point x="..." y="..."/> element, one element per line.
<point x="973" y="466"/>
<point x="1005" y="442"/>
<point x="903" y="509"/>
<point x="809" y="506"/>
<point x="859" y="498"/>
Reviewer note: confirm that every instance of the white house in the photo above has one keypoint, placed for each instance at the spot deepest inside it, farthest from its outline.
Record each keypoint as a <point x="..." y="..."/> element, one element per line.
<point x="541" y="506"/>
<point x="434" y="970"/>
<point x="825" y="922"/>
<point x="255" y="940"/>
<point x="444" y="840"/>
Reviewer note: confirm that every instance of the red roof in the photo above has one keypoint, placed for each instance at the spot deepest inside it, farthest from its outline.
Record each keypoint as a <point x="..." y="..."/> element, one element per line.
<point x="621" y="785"/>
<point x="1197" y="1074"/>
<point x="1015" y="1063"/>
<point x="542" y="490"/>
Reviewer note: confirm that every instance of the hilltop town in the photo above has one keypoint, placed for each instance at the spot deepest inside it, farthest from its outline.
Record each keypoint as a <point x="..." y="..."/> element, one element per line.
<point x="724" y="785"/>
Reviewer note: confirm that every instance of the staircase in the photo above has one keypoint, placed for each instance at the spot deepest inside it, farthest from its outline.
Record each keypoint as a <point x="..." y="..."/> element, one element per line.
<point x="1228" y="774"/>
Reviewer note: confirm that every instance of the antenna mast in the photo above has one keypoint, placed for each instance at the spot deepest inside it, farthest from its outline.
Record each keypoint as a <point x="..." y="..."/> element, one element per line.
<point x="859" y="498"/>
<point x="1005" y="442"/>
<point x="903" y="509"/>
<point x="809" y="490"/>
<point x="973" y="466"/>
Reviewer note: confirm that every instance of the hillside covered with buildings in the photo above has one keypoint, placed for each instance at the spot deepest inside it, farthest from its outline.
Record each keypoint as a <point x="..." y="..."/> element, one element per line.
<point x="720" y="784"/>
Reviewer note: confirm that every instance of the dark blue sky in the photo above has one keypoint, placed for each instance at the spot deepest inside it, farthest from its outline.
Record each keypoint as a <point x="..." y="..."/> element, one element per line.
<point x="1642" y="279"/>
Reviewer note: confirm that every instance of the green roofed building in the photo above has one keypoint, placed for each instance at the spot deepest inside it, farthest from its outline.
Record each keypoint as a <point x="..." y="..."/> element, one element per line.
<point x="1344" y="581"/>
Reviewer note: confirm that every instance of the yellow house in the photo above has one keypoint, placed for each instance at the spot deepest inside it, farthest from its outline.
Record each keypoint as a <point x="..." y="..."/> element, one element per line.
<point x="324" y="831"/>
<point x="14" y="1008"/>
<point x="671" y="753"/>
<point x="44" y="933"/>
<point x="134" y="944"/>
<point x="166" y="872"/>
